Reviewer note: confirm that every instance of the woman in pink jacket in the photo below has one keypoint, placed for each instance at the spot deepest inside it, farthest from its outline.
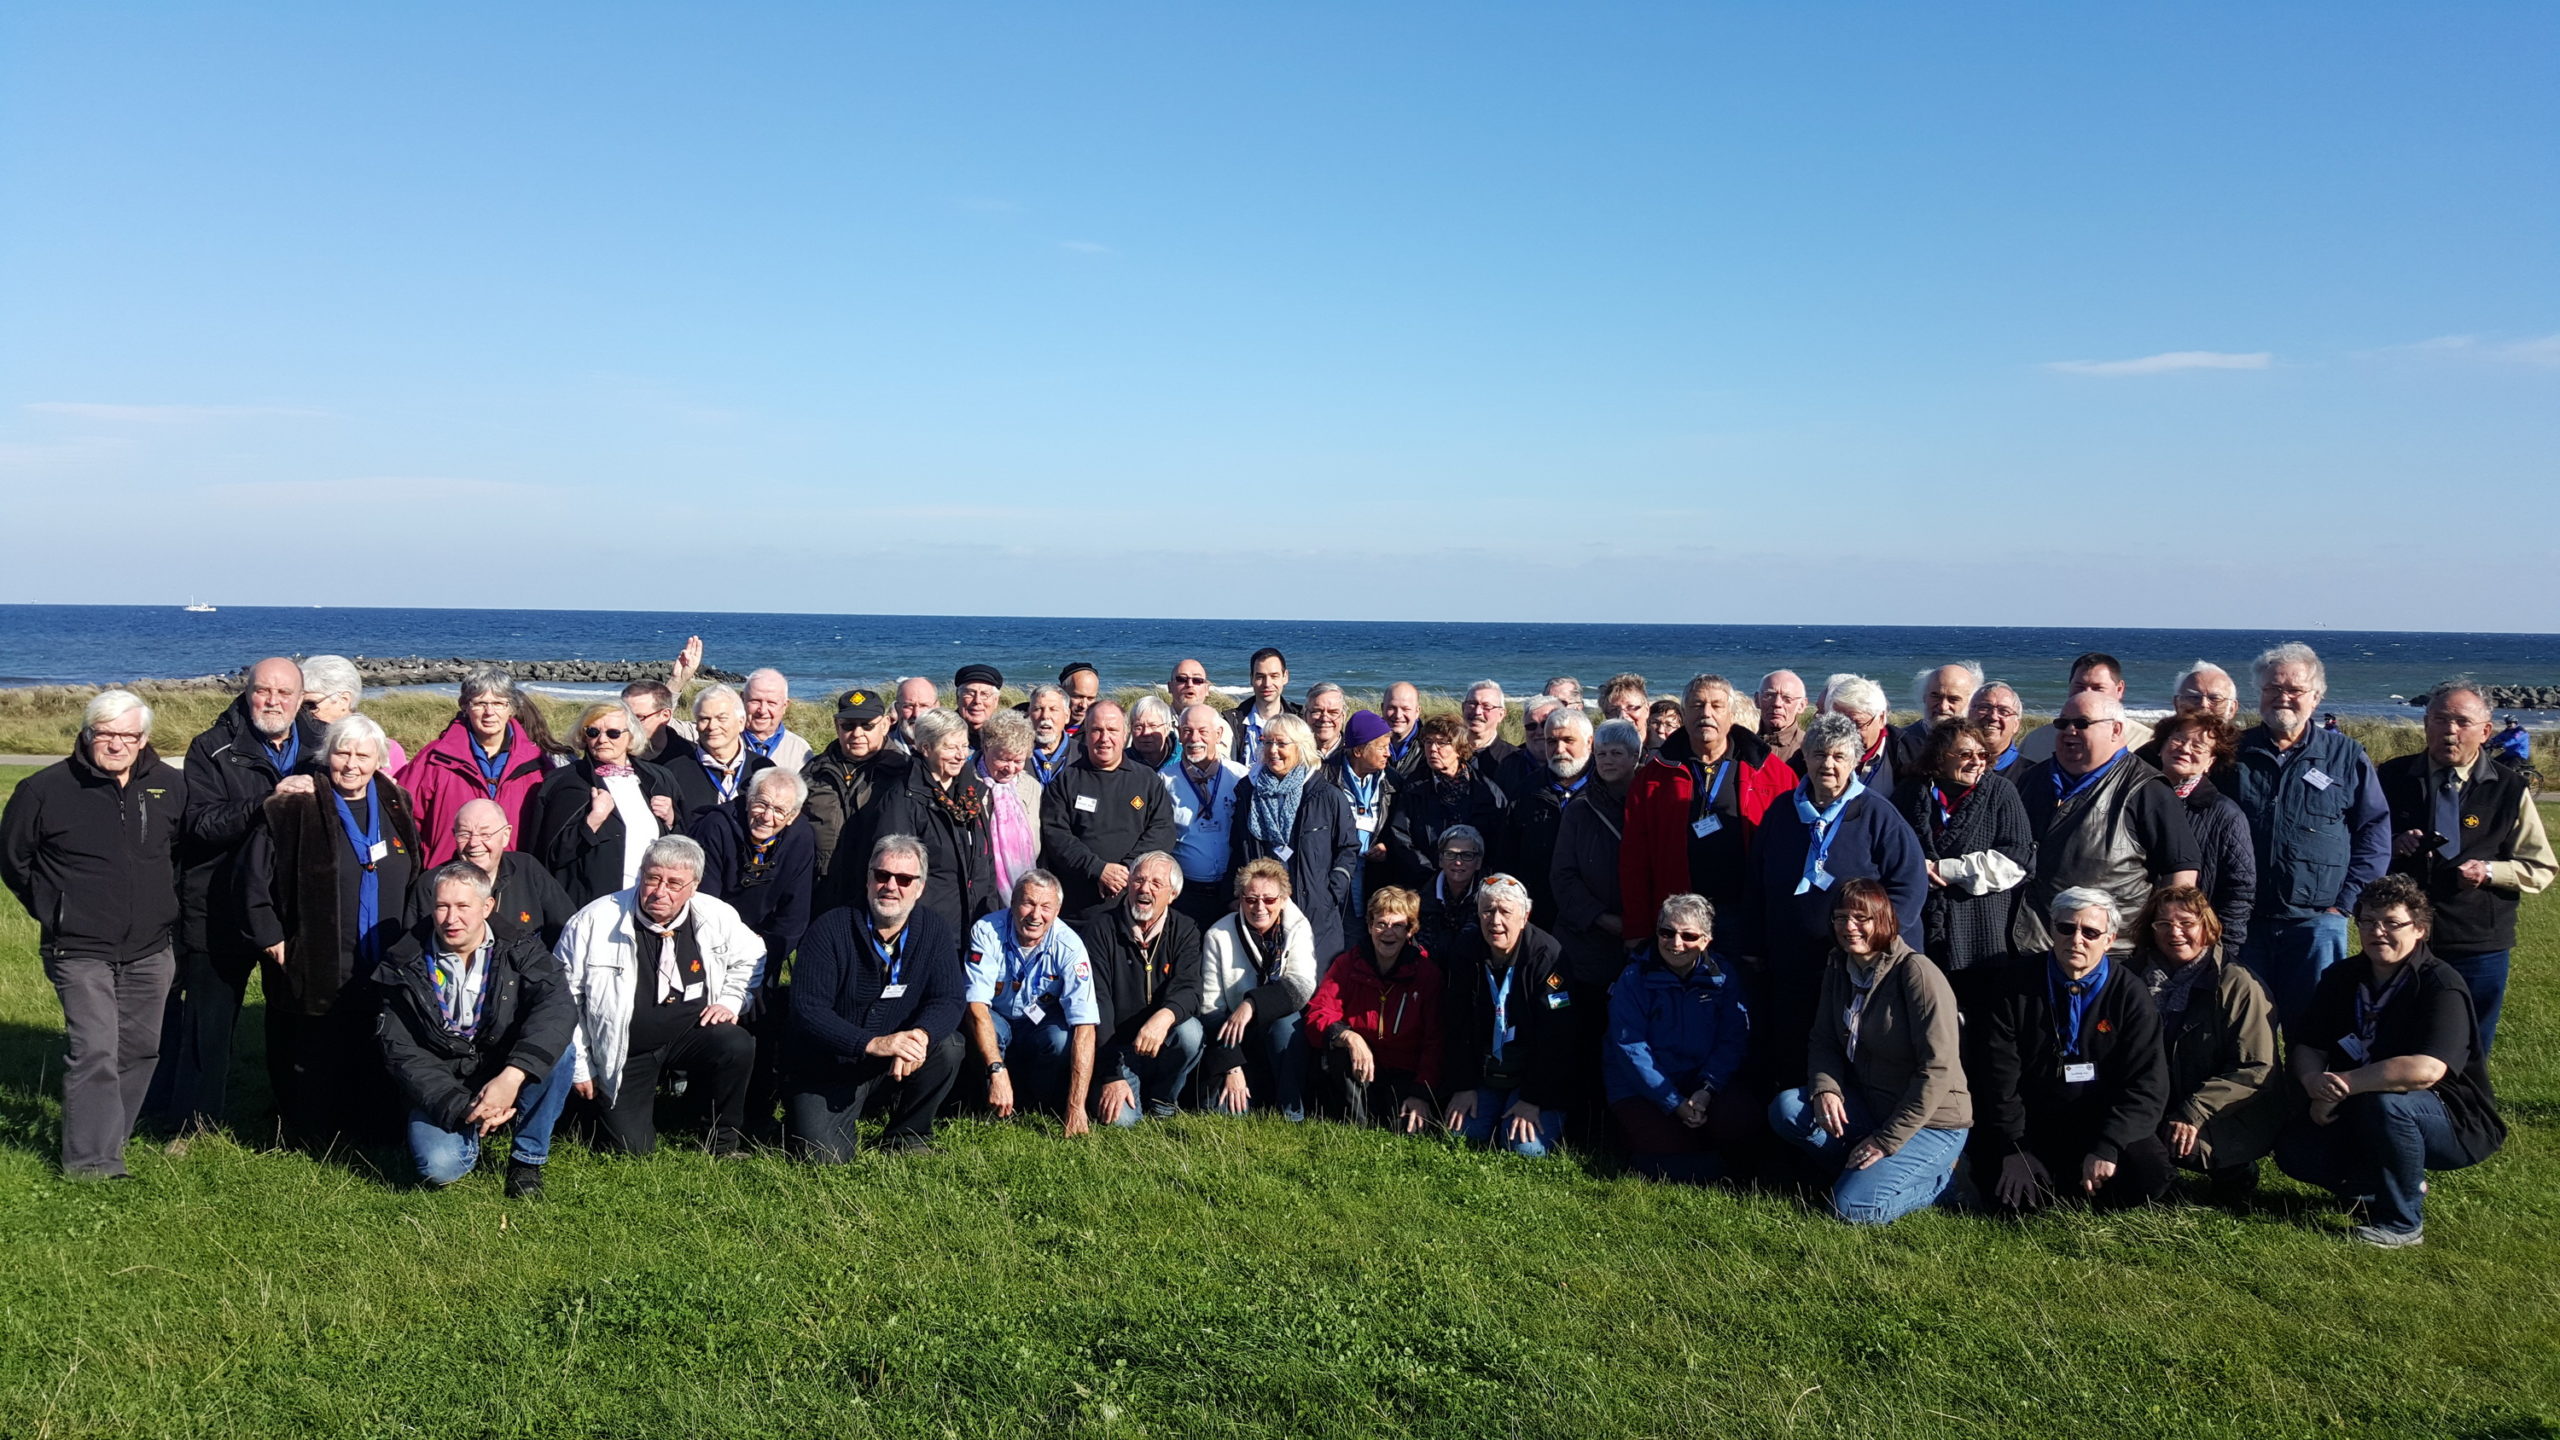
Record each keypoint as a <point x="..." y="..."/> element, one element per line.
<point x="483" y="755"/>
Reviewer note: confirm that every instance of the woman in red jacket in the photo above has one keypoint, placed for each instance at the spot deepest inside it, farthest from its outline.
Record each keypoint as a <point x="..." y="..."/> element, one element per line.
<point x="1375" y="1022"/>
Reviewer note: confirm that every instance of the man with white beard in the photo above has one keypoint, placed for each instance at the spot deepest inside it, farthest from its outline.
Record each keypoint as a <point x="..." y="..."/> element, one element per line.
<point x="1529" y="827"/>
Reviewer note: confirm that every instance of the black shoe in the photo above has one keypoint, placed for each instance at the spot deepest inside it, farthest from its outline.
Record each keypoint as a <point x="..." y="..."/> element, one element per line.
<point x="2232" y="1188"/>
<point x="524" y="1182"/>
<point x="909" y="1145"/>
<point x="727" y="1145"/>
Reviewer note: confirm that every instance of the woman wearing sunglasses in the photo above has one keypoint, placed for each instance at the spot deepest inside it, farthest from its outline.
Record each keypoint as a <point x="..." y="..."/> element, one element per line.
<point x="594" y="819"/>
<point x="1678" y="1032"/>
<point x="2073" y="1082"/>
<point x="1885" y="1098"/>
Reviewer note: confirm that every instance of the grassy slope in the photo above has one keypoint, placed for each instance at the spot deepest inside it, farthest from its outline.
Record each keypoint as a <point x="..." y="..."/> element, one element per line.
<point x="1219" y="1277"/>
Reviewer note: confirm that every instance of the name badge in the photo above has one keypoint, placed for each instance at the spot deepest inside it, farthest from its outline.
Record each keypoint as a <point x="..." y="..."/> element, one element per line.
<point x="2079" y="1073"/>
<point x="1821" y="878"/>
<point x="1032" y="1012"/>
<point x="2317" y="780"/>
<point x="1281" y="852"/>
<point x="380" y="849"/>
<point x="693" y="991"/>
<point x="1707" y="825"/>
<point x="2353" y="1048"/>
<point x="892" y="992"/>
<point x="1087" y="804"/>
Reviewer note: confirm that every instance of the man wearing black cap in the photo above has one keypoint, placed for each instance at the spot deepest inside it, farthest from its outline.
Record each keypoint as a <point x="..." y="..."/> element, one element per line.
<point x="977" y="690"/>
<point x="1083" y="685"/>
<point x="848" y="779"/>
<point x="1102" y="812"/>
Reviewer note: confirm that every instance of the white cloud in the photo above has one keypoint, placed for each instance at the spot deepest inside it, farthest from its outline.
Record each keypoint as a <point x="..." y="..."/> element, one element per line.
<point x="168" y="414"/>
<point x="2166" y="362"/>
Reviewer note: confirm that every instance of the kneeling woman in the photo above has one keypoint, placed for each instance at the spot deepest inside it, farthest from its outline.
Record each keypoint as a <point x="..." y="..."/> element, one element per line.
<point x="2219" y="1028"/>
<point x="1375" y="1022"/>
<point x="2073" y="1081"/>
<point x="1884" y="1096"/>
<point x="2389" y="1055"/>
<point x="1679" y="1029"/>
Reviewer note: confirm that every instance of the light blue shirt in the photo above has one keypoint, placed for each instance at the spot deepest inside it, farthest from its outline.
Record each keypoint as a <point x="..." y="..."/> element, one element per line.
<point x="1203" y="820"/>
<point x="1022" y="984"/>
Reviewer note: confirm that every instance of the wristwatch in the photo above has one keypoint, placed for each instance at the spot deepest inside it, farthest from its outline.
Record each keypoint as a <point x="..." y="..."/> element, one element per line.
<point x="996" y="1069"/>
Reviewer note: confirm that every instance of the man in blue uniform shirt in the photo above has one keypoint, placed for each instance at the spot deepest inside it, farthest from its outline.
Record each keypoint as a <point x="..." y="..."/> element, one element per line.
<point x="1031" y="1004"/>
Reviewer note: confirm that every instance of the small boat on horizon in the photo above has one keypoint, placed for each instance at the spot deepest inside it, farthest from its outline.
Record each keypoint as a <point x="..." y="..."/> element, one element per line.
<point x="198" y="607"/>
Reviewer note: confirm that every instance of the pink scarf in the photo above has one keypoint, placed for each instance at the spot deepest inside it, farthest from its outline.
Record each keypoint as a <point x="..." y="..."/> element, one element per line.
<point x="1011" y="835"/>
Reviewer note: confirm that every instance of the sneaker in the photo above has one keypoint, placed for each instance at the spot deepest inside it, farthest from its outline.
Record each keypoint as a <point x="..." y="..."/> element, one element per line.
<point x="2385" y="1237"/>
<point x="524" y="1182"/>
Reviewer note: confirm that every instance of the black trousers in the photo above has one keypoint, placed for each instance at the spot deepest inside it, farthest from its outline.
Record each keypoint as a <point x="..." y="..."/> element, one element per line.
<point x="719" y="1058"/>
<point x="1338" y="1094"/>
<point x="189" y="1089"/>
<point x="2143" y="1172"/>
<point x="822" y="1115"/>
<point x="327" y="1070"/>
<point x="772" y="1016"/>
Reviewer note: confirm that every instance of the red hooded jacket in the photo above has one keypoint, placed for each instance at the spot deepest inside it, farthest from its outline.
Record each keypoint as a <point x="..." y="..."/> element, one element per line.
<point x="1653" y="857"/>
<point x="1399" y="1016"/>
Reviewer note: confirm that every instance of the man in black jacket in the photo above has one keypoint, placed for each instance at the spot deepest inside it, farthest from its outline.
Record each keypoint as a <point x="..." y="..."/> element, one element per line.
<point x="1504" y="1031"/>
<point x="722" y="765"/>
<point x="849" y="779"/>
<point x="89" y="847"/>
<point x="1100" y="813"/>
<point x="2072" y="1080"/>
<point x="876" y="999"/>
<point x="1528" y="844"/>
<point x="264" y="743"/>
<point x="530" y="901"/>
<point x="473" y="1024"/>
<point x="1146" y="982"/>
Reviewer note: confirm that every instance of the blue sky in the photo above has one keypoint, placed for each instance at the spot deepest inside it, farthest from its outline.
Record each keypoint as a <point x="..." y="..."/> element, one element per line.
<point x="2042" y="314"/>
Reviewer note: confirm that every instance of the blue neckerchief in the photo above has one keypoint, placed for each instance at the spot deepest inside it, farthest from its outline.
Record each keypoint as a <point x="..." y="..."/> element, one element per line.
<point x="369" y="889"/>
<point x="1567" y="789"/>
<point x="2007" y="758"/>
<point x="764" y="748"/>
<point x="1363" y="789"/>
<point x="1946" y="811"/>
<point x="1825" y="825"/>
<point x="724" y="781"/>
<point x="291" y="755"/>
<point x="1209" y="797"/>
<point x="1396" y="748"/>
<point x="2064" y="792"/>
<point x="493" y="768"/>
<point x="1499" y="987"/>
<point x="1046" y="769"/>
<point x="2072" y="999"/>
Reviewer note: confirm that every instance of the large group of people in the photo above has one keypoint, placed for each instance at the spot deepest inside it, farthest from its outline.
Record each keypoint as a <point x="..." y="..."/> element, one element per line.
<point x="1764" y="935"/>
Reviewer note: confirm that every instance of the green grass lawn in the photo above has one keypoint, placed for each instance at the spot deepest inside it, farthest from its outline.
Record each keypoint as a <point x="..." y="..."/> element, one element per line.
<point x="1213" y="1277"/>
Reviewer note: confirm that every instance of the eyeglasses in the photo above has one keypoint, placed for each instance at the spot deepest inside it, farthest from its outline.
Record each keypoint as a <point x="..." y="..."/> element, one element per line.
<point x="1462" y="855"/>
<point x="892" y="877"/>
<point x="1683" y="937"/>
<point x="2085" y="932"/>
<point x="118" y="737"/>
<point x="481" y="837"/>
<point x="599" y="732"/>
<point x="2386" y="926"/>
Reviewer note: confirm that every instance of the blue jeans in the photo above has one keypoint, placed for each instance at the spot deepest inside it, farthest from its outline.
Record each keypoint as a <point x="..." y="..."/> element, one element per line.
<point x="2378" y="1150"/>
<point x="1037" y="1054"/>
<point x="1275" y="1054"/>
<point x="2487" y="977"/>
<point x="1482" y="1125"/>
<point x="444" y="1156"/>
<point x="2292" y="955"/>
<point x="1157" y="1081"/>
<point x="1906" y="1180"/>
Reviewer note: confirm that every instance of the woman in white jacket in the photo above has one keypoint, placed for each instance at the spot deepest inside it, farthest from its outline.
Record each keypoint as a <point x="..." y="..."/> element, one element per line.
<point x="1257" y="970"/>
<point x="660" y="975"/>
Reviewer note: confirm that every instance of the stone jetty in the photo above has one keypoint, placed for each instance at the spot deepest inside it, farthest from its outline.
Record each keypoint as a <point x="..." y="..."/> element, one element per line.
<point x="2514" y="697"/>
<point x="419" y="670"/>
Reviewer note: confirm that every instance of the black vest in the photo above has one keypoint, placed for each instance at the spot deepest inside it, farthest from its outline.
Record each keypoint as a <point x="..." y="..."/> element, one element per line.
<point x="2470" y="919"/>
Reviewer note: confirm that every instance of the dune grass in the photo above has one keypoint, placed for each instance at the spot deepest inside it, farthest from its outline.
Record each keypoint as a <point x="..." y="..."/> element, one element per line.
<point x="1229" y="1278"/>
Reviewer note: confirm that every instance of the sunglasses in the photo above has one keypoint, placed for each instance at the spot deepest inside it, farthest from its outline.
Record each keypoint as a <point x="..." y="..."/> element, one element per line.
<point x="599" y="732"/>
<point x="2078" y="722"/>
<point x="1684" y="937"/>
<point x="2085" y="932"/>
<point x="892" y="877"/>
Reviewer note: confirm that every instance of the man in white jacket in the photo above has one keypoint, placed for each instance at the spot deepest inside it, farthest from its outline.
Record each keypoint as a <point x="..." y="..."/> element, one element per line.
<point x="660" y="974"/>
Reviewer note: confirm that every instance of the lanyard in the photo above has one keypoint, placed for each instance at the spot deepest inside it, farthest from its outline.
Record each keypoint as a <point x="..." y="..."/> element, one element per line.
<point x="2369" y="1007"/>
<point x="1364" y="789"/>
<point x="1499" y="987"/>
<point x="463" y="989"/>
<point x="367" y="837"/>
<point x="1860" y="992"/>
<point x="2069" y="1010"/>
<point x="892" y="954"/>
<point x="1707" y="785"/>
<point x="1208" y="797"/>
<point x="1825" y="827"/>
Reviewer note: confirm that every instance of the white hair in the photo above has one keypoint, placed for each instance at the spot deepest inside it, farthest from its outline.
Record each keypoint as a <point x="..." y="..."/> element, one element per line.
<point x="888" y="845"/>
<point x="2201" y="667"/>
<point x="2102" y="705"/>
<point x="1322" y="687"/>
<point x="1172" y="867"/>
<point x="462" y="872"/>
<point x="1696" y="909"/>
<point x="2291" y="652"/>
<point x="1620" y="733"/>
<point x="932" y="727"/>
<point x="114" y="704"/>
<point x="1037" y="876"/>
<point x="1032" y="696"/>
<point x="2086" y="897"/>
<point x="1493" y="685"/>
<point x="673" y="852"/>
<point x="1503" y="891"/>
<point x="716" y="692"/>
<point x="1830" y="732"/>
<point x="1460" y="832"/>
<point x="768" y="672"/>
<point x="333" y="675"/>
<point x="1150" y="706"/>
<point x="352" y="729"/>
<point x="1571" y="717"/>
<point x="1920" y="681"/>
<point x="1853" y="695"/>
<point x="488" y="680"/>
<point x="1539" y="707"/>
<point x="785" y="777"/>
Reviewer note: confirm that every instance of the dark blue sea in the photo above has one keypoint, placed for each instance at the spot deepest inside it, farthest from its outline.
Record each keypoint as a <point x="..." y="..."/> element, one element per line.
<point x="2368" y="670"/>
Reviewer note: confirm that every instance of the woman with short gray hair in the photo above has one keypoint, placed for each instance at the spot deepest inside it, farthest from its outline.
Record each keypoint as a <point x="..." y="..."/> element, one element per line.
<point x="2073" y="1081"/>
<point x="1013" y="797"/>
<point x="483" y="755"/>
<point x="332" y="688"/>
